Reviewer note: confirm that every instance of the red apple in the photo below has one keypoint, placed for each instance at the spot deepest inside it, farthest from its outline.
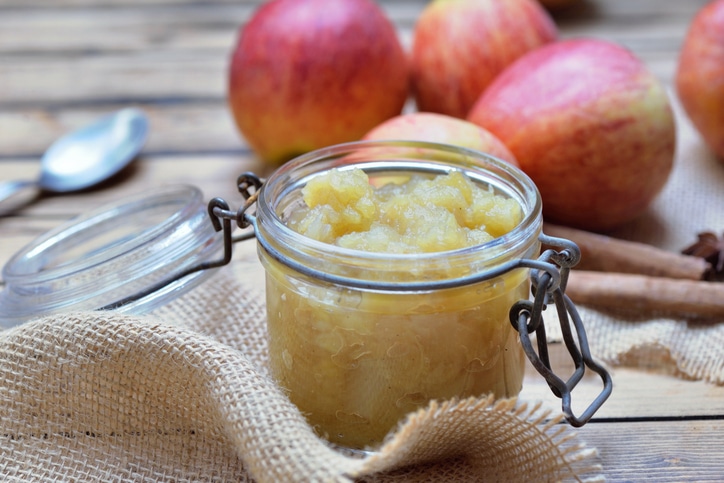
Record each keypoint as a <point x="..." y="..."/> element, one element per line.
<point x="700" y="74"/>
<point x="590" y="124"/>
<point x="460" y="46"/>
<point x="440" y="128"/>
<point x="310" y="73"/>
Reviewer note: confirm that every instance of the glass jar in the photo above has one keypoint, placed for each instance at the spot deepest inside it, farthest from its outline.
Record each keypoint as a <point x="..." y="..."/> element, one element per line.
<point x="360" y="339"/>
<point x="119" y="255"/>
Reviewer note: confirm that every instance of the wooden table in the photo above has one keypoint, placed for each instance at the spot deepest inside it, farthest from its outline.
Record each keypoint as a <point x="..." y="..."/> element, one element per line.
<point x="65" y="62"/>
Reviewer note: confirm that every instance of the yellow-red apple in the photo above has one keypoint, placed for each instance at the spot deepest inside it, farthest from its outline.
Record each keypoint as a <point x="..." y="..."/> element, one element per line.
<point x="459" y="46"/>
<point x="310" y="73"/>
<point x="590" y="124"/>
<point x="440" y="128"/>
<point x="700" y="74"/>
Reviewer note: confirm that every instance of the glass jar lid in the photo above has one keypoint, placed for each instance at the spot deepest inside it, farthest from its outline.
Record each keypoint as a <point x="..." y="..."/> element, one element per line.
<point x="112" y="254"/>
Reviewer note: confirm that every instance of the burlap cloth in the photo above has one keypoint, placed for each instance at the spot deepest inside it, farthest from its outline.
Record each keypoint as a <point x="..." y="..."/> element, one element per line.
<point x="183" y="394"/>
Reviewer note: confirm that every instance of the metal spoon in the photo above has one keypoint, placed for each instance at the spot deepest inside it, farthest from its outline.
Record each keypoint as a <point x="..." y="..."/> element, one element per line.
<point x="86" y="157"/>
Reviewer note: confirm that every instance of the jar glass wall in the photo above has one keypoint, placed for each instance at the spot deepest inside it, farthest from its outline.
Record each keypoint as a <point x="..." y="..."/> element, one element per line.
<point x="364" y="338"/>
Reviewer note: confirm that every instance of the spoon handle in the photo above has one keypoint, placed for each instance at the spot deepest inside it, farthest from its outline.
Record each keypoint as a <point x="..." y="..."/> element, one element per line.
<point x="9" y="188"/>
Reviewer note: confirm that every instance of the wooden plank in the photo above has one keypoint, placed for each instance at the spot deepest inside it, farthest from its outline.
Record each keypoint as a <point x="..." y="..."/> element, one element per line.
<point x="664" y="451"/>
<point x="115" y="78"/>
<point x="190" y="127"/>
<point x="102" y="28"/>
<point x="637" y="395"/>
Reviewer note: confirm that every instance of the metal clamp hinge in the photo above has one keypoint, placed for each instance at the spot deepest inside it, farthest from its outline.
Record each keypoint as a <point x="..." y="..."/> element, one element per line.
<point x="527" y="318"/>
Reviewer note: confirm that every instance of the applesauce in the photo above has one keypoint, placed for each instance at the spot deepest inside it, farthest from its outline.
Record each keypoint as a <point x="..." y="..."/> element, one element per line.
<point x="386" y="284"/>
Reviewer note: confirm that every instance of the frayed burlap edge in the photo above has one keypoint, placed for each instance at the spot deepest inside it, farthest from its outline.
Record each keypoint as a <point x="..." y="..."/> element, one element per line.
<point x="489" y="441"/>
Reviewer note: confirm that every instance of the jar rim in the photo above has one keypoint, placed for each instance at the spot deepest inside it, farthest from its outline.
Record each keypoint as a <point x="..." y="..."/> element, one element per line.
<point x="411" y="155"/>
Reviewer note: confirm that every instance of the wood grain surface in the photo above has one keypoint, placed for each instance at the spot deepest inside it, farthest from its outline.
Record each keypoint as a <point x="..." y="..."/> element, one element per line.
<point x="65" y="62"/>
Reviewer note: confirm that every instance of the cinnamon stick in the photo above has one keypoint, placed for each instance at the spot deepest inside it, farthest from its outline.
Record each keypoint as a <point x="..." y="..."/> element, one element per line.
<point x="606" y="254"/>
<point x="646" y="293"/>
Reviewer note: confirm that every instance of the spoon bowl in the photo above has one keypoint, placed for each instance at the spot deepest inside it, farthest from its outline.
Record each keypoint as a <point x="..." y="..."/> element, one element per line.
<point x="88" y="156"/>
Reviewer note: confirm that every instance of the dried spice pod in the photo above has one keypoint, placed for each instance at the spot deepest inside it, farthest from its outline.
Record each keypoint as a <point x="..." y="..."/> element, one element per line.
<point x="710" y="247"/>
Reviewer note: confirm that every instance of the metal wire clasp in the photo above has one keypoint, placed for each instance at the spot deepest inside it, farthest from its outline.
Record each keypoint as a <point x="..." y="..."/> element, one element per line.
<point x="221" y="216"/>
<point x="527" y="318"/>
